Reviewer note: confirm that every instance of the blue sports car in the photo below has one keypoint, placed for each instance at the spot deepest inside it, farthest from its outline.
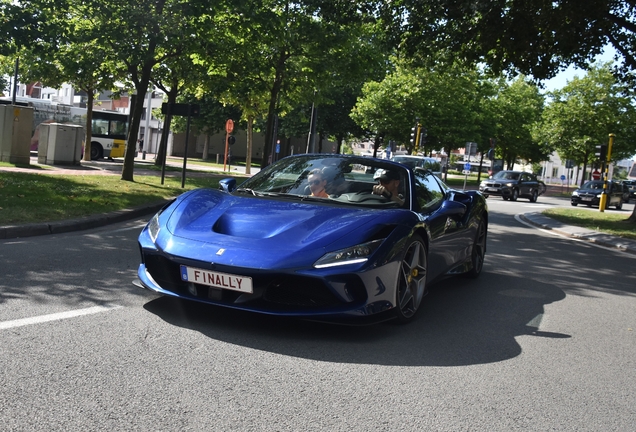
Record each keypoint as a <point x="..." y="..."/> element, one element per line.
<point x="325" y="237"/>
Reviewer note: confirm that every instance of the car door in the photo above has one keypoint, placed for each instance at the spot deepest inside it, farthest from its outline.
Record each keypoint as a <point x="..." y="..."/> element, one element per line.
<point x="525" y="184"/>
<point x="449" y="240"/>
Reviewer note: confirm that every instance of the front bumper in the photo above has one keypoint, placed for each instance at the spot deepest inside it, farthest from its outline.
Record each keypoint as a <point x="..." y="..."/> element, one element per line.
<point x="497" y="191"/>
<point x="585" y="200"/>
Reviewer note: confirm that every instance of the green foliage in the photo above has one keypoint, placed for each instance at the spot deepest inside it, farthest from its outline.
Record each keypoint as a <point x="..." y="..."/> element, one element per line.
<point x="582" y="114"/>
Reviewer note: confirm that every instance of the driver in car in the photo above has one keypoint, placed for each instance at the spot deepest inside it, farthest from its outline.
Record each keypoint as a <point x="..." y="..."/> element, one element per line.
<point x="388" y="184"/>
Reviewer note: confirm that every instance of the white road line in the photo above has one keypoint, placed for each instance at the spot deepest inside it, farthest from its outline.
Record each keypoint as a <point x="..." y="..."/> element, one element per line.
<point x="56" y="316"/>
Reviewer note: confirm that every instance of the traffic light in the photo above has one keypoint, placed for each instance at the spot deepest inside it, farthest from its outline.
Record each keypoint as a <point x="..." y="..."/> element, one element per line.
<point x="415" y="134"/>
<point x="601" y="152"/>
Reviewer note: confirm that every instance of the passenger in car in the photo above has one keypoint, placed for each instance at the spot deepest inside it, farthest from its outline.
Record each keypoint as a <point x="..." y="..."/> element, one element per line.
<point x="317" y="183"/>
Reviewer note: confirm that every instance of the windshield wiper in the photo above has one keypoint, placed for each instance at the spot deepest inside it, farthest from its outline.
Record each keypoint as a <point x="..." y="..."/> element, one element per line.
<point x="246" y="190"/>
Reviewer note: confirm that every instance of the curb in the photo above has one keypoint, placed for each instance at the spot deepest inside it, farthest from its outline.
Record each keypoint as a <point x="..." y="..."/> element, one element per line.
<point x="79" y="224"/>
<point x="605" y="240"/>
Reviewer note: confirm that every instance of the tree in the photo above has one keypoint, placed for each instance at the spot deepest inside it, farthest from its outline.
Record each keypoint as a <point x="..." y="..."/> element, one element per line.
<point x="533" y="37"/>
<point x="295" y="46"/>
<point x="155" y="32"/>
<point x="516" y="109"/>
<point x="582" y="114"/>
<point x="445" y="101"/>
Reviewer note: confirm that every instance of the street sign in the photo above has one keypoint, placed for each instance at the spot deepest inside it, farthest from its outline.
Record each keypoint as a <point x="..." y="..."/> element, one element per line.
<point x="562" y="177"/>
<point x="229" y="126"/>
<point x="181" y="109"/>
<point x="467" y="166"/>
<point x="277" y="147"/>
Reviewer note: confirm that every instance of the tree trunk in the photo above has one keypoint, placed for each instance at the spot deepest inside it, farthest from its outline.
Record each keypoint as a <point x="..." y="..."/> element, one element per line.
<point x="271" y="112"/>
<point x="206" y="146"/>
<point x="165" y="133"/>
<point x="248" y="154"/>
<point x="88" y="137"/>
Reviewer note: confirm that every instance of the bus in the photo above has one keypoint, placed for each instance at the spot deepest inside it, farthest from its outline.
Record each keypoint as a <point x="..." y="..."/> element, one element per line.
<point x="109" y="128"/>
<point x="108" y="134"/>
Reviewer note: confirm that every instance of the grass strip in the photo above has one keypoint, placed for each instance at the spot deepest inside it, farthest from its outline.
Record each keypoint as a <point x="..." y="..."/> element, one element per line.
<point x="609" y="223"/>
<point x="28" y="198"/>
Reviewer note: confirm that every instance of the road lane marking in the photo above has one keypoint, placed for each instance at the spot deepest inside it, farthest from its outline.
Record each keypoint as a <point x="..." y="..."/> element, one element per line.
<point x="56" y="316"/>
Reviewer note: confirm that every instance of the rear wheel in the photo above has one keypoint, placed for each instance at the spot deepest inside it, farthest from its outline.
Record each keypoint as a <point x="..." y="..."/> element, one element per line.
<point x="619" y="205"/>
<point x="411" y="281"/>
<point x="534" y="196"/>
<point x="96" y="151"/>
<point x="479" y="251"/>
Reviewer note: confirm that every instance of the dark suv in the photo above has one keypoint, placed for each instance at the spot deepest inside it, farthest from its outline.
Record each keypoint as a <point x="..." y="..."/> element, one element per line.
<point x="590" y="194"/>
<point x="511" y="185"/>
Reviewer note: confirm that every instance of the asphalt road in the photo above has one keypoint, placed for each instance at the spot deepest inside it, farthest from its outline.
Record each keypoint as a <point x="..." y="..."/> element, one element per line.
<point x="543" y="340"/>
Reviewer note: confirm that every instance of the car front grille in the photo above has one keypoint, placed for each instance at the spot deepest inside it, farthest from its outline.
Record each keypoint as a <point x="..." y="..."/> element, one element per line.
<point x="271" y="292"/>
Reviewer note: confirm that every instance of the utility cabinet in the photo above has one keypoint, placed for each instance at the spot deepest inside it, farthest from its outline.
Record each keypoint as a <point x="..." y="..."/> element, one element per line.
<point x="60" y="144"/>
<point x="16" y="124"/>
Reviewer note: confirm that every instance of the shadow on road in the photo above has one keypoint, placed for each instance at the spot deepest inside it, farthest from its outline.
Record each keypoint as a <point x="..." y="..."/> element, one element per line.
<point x="461" y="323"/>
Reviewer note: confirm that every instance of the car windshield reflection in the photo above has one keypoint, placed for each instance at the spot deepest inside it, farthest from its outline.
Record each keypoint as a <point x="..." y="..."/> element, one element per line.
<point x="330" y="178"/>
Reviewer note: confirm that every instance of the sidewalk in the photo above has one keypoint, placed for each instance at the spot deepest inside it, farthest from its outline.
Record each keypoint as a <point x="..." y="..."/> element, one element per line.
<point x="610" y="241"/>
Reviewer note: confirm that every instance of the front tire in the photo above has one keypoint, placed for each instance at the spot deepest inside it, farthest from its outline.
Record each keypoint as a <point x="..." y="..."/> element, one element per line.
<point x="515" y="195"/>
<point x="411" y="281"/>
<point x="619" y="205"/>
<point x="535" y="196"/>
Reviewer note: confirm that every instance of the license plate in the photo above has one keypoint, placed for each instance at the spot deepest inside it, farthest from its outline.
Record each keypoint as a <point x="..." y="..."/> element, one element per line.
<point x="586" y="199"/>
<point x="492" y="190"/>
<point x="217" y="280"/>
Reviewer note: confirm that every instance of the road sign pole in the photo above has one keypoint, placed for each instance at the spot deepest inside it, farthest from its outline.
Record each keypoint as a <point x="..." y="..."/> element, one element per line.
<point x="229" y="127"/>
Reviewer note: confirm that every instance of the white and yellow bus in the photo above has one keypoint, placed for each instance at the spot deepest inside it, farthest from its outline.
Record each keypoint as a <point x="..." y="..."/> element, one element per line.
<point x="108" y="134"/>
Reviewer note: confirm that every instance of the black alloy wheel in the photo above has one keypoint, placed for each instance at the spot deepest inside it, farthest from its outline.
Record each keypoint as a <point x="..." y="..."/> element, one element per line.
<point x="534" y="196"/>
<point x="411" y="282"/>
<point x="479" y="251"/>
<point x="515" y="195"/>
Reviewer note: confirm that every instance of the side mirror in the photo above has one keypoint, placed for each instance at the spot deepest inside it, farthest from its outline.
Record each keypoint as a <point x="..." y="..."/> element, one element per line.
<point x="454" y="208"/>
<point x="227" y="184"/>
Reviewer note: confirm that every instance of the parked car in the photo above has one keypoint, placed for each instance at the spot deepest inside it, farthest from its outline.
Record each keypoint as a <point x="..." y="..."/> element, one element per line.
<point x="590" y="194"/>
<point x="624" y="190"/>
<point x="631" y="187"/>
<point x="424" y="162"/>
<point x="268" y="246"/>
<point x="511" y="185"/>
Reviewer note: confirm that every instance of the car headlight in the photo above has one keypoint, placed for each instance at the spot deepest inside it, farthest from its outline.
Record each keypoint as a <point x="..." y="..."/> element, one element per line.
<point x="575" y="193"/>
<point x="509" y="184"/>
<point x="352" y="255"/>
<point x="153" y="227"/>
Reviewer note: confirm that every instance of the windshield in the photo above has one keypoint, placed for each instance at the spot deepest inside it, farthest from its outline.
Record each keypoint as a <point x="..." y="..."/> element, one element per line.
<point x="507" y="175"/>
<point x="593" y="185"/>
<point x="331" y="179"/>
<point x="422" y="162"/>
